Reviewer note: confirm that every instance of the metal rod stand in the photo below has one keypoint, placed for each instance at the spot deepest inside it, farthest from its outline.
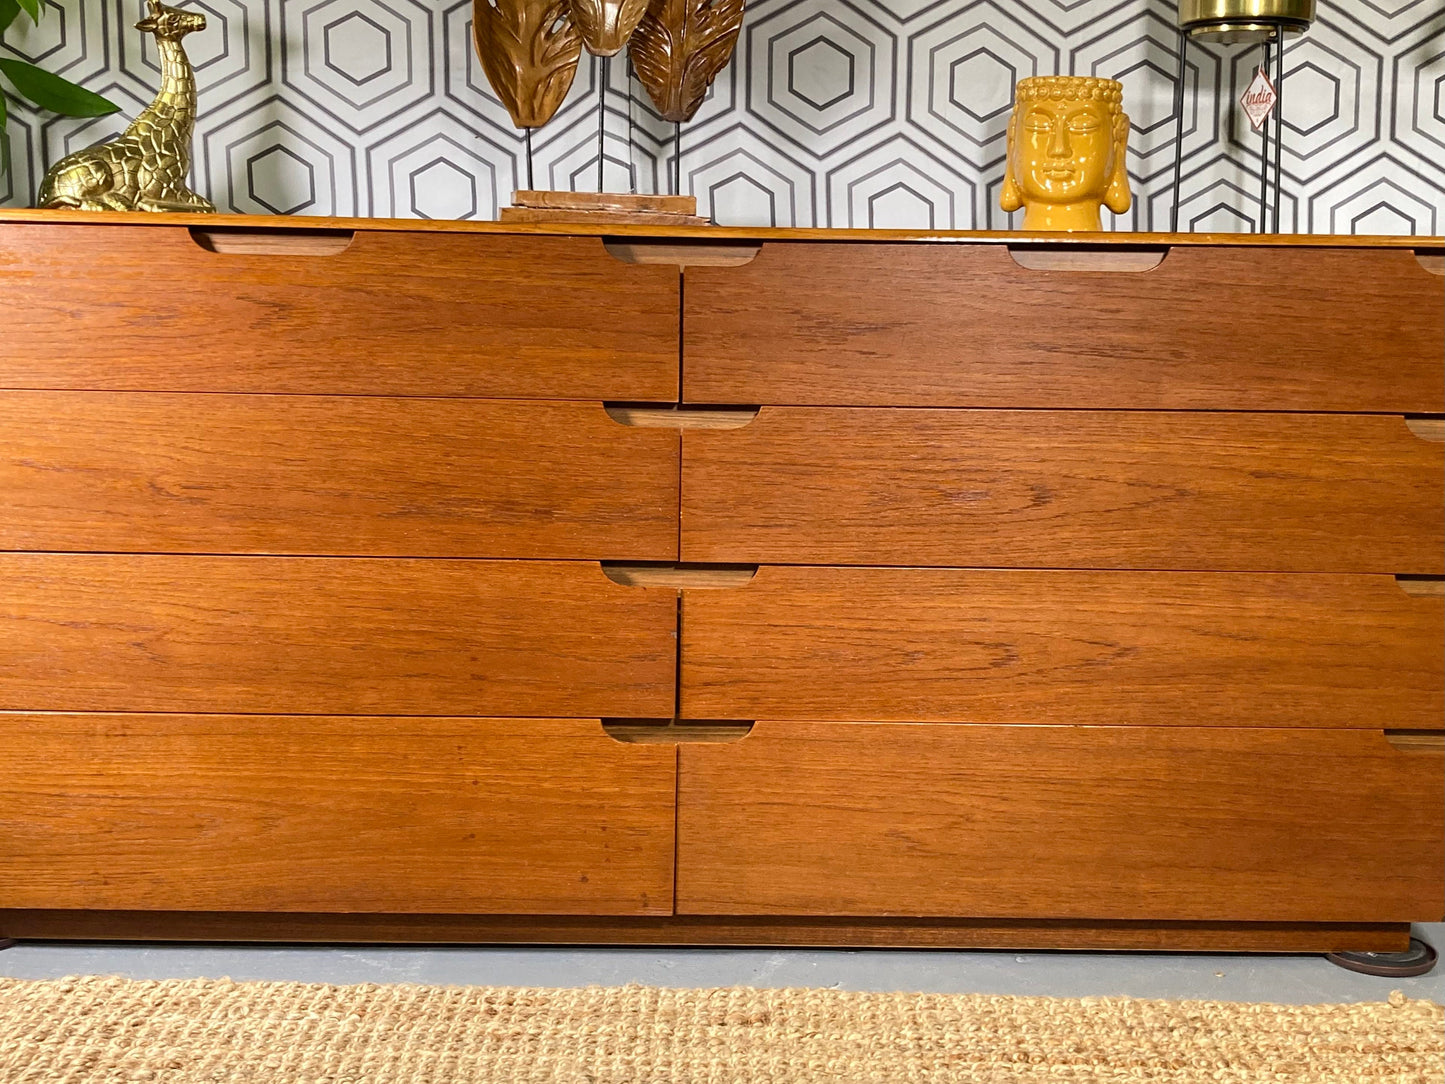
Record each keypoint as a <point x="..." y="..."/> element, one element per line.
<point x="1278" y="127"/>
<point x="631" y="144"/>
<point x="1264" y="201"/>
<point x="531" y="183"/>
<point x="1179" y="84"/>
<point x="605" y="75"/>
<point x="677" y="159"/>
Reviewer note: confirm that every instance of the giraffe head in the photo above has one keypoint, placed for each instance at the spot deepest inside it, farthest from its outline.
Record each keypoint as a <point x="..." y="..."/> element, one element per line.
<point x="170" y="24"/>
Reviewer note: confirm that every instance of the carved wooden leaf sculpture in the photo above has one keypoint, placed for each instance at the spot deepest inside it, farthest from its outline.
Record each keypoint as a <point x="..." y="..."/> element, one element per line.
<point x="680" y="48"/>
<point x="606" y="25"/>
<point x="529" y="50"/>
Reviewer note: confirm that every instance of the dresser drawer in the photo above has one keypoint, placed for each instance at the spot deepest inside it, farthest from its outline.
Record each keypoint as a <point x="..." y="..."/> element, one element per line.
<point x="149" y="308"/>
<point x="1061" y="822"/>
<point x="1079" y="648"/>
<point x="147" y="472"/>
<point x="1066" y="489"/>
<point x="258" y="813"/>
<point x="331" y="636"/>
<point x="1211" y="327"/>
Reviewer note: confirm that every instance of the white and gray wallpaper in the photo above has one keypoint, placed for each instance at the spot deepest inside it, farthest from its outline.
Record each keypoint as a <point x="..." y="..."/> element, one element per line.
<point x="834" y="112"/>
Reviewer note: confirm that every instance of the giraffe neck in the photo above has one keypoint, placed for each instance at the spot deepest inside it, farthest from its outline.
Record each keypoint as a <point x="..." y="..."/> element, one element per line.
<point x="174" y="108"/>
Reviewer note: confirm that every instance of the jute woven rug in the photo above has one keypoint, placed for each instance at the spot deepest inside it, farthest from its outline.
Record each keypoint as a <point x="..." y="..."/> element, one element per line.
<point x="108" y="1030"/>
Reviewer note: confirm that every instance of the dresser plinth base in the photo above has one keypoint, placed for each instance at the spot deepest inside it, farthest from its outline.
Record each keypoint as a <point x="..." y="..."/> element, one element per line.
<point x="1041" y="934"/>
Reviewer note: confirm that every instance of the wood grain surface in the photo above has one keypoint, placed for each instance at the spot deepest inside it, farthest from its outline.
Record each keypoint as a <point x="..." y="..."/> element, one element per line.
<point x="965" y="326"/>
<point x="811" y="930"/>
<point x="371" y="476"/>
<point x="1081" y="648"/>
<point x="312" y="635"/>
<point x="1064" y="822"/>
<point x="394" y="314"/>
<point x="1066" y="489"/>
<point x="243" y="813"/>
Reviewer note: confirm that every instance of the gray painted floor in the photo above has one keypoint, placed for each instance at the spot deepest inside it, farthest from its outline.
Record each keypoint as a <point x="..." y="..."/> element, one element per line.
<point x="1287" y="979"/>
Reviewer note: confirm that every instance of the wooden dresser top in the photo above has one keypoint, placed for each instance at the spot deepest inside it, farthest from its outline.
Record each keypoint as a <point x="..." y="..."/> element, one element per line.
<point x="714" y="233"/>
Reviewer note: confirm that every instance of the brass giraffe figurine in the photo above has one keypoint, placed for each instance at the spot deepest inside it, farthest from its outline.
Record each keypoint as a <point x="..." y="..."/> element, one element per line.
<point x="145" y="168"/>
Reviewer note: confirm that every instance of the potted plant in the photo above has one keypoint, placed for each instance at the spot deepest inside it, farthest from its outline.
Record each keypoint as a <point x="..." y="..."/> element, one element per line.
<point x="38" y="86"/>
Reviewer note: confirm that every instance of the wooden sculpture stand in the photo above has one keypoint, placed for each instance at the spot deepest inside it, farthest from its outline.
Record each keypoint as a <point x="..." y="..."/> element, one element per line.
<point x="415" y="581"/>
<point x="605" y="208"/>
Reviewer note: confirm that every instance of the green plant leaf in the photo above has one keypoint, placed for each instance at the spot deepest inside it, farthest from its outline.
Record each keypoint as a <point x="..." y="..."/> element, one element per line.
<point x="54" y="93"/>
<point x="8" y="10"/>
<point x="33" y="8"/>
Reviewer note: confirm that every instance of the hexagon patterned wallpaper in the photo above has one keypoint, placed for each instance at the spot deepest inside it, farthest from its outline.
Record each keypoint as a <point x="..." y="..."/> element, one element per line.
<point x="834" y="112"/>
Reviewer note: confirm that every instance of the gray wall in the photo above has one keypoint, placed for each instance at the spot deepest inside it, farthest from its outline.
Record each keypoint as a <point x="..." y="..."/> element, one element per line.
<point x="834" y="112"/>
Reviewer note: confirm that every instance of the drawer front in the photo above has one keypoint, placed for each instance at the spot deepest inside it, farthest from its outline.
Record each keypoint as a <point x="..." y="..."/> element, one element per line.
<point x="1066" y="489"/>
<point x="1215" y="328"/>
<point x="147" y="308"/>
<point x="156" y="473"/>
<point x="257" y="813"/>
<point x="331" y="636"/>
<point x="1079" y="648"/>
<point x="1061" y="822"/>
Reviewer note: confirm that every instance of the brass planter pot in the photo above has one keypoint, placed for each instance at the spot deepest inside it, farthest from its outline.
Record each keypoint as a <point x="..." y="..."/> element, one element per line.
<point x="1232" y="21"/>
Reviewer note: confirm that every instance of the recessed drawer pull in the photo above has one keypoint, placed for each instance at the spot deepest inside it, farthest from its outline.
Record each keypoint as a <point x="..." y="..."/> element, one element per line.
<point x="674" y="732"/>
<point x="1427" y="426"/>
<point x="1087" y="258"/>
<point x="1422" y="586"/>
<point x="1432" y="261"/>
<point x="1417" y="741"/>
<point x="683" y="253"/>
<point x="680" y="577"/>
<point x="646" y="416"/>
<point x="264" y="242"/>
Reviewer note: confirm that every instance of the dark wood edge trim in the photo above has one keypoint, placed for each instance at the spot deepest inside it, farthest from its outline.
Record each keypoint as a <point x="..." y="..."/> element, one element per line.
<point x="706" y="930"/>
<point x="715" y="233"/>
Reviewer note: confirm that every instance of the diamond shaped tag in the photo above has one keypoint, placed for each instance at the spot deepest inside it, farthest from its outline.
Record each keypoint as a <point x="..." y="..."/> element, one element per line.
<point x="1259" y="99"/>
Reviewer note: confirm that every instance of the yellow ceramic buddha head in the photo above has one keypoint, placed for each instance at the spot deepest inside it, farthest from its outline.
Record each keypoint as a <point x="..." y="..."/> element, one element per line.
<point x="1068" y="144"/>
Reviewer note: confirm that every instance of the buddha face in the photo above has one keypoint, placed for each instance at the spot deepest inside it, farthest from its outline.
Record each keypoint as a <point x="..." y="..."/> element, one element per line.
<point x="1064" y="151"/>
<point x="1068" y="143"/>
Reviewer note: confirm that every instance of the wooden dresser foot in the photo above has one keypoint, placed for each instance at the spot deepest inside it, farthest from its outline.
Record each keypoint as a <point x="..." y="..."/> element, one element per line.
<point x="1418" y="959"/>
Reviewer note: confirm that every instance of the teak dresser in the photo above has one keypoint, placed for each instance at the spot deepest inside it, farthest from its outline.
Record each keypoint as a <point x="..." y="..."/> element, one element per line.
<point x="374" y="580"/>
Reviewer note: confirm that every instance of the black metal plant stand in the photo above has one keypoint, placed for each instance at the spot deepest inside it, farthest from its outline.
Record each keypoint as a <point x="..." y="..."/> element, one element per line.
<point x="1271" y="132"/>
